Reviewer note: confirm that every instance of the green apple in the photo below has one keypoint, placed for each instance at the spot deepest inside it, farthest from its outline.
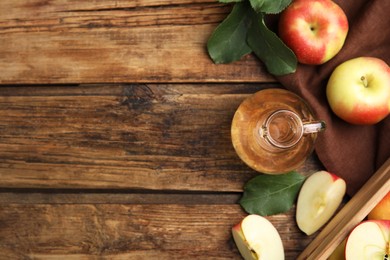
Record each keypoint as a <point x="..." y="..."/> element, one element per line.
<point x="257" y="238"/>
<point x="320" y="196"/>
<point x="369" y="240"/>
<point x="358" y="90"/>
<point x="315" y="30"/>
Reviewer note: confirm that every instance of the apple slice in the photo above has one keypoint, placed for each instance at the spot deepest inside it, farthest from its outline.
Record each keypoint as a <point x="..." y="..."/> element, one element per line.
<point x="320" y="196"/>
<point x="257" y="238"/>
<point x="369" y="240"/>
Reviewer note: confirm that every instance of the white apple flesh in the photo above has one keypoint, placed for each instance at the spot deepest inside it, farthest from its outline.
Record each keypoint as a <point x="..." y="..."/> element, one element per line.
<point x="358" y="90"/>
<point x="369" y="240"/>
<point x="320" y="196"/>
<point x="257" y="238"/>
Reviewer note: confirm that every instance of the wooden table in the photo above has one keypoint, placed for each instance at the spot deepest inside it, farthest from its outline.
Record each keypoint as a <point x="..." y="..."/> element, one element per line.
<point x="115" y="132"/>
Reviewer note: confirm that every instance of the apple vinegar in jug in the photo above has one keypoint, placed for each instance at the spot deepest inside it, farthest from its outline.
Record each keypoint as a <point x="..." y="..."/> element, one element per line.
<point x="274" y="130"/>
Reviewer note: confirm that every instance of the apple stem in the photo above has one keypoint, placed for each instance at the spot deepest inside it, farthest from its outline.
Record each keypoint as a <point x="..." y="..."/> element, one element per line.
<point x="364" y="79"/>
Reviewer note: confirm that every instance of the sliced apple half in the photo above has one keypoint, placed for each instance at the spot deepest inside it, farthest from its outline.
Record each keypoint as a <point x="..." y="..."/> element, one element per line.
<point x="320" y="196"/>
<point x="257" y="238"/>
<point x="369" y="240"/>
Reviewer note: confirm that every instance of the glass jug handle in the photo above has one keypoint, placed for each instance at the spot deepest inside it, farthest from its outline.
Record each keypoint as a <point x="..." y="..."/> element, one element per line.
<point x="313" y="127"/>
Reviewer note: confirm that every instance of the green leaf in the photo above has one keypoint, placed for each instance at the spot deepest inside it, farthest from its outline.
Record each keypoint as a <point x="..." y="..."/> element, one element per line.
<point x="275" y="6"/>
<point x="228" y="42"/>
<point x="271" y="194"/>
<point x="257" y="4"/>
<point x="269" y="6"/>
<point x="268" y="47"/>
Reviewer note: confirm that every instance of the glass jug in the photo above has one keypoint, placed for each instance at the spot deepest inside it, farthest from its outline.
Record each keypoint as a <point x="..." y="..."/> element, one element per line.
<point x="274" y="130"/>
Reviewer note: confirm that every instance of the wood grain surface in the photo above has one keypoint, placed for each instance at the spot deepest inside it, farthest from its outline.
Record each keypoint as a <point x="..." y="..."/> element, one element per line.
<point x="114" y="41"/>
<point x="159" y="137"/>
<point x="115" y="132"/>
<point x="120" y="231"/>
<point x="125" y="172"/>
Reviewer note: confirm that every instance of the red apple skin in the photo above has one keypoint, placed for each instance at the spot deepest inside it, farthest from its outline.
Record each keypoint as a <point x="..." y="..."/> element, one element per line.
<point x="315" y="30"/>
<point x="384" y="223"/>
<point x="366" y="116"/>
<point x="334" y="176"/>
<point x="237" y="227"/>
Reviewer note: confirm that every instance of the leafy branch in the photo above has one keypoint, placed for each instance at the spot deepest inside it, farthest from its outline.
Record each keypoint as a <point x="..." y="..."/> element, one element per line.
<point x="244" y="31"/>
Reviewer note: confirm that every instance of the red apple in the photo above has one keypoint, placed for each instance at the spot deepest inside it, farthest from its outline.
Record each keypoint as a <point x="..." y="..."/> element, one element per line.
<point x="315" y="30"/>
<point x="358" y="90"/>
<point x="369" y="240"/>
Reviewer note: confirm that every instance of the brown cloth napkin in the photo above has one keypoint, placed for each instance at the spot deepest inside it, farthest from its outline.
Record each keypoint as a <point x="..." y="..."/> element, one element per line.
<point x="352" y="152"/>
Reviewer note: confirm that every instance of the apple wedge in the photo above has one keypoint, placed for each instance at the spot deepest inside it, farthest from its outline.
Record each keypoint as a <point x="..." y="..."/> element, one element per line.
<point x="320" y="196"/>
<point x="369" y="240"/>
<point x="257" y="238"/>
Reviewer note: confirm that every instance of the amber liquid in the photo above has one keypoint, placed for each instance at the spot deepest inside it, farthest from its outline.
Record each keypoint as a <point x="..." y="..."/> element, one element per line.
<point x="281" y="130"/>
<point x="248" y="139"/>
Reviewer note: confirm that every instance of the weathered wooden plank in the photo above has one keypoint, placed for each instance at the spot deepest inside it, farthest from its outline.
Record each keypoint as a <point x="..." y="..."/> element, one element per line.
<point x="76" y="196"/>
<point x="114" y="231"/>
<point x="145" y="137"/>
<point x="171" y="137"/>
<point x="114" y="41"/>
